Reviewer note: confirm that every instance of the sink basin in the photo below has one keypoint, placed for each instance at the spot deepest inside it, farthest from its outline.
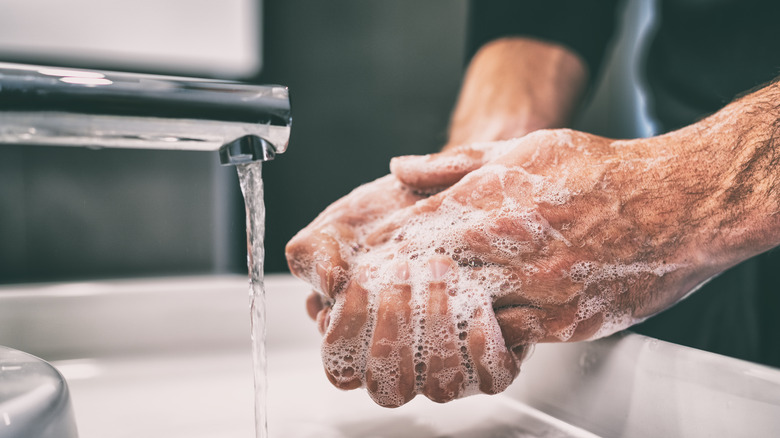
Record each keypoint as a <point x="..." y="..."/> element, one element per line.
<point x="171" y="358"/>
<point x="34" y="399"/>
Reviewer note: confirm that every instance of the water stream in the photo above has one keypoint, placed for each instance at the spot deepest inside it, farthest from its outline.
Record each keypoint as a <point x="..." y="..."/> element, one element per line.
<point x="249" y="176"/>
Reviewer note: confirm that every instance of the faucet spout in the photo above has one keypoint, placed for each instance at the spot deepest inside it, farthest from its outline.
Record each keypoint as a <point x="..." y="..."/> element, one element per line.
<point x="67" y="107"/>
<point x="245" y="150"/>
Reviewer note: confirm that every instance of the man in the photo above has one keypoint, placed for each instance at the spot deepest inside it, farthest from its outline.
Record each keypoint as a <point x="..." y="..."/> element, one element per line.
<point x="438" y="278"/>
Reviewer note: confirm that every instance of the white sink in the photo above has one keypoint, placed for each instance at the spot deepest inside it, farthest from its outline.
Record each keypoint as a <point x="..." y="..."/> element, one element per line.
<point x="34" y="400"/>
<point x="171" y="358"/>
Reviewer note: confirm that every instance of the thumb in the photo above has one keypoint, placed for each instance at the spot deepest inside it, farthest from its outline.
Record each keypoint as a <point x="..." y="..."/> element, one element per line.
<point x="433" y="172"/>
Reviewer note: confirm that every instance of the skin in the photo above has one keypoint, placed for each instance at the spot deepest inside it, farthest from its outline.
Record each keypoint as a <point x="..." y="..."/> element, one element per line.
<point x="566" y="235"/>
<point x="514" y="86"/>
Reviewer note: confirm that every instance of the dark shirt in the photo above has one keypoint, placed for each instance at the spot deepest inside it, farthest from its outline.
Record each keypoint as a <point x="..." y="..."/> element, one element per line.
<point x="704" y="54"/>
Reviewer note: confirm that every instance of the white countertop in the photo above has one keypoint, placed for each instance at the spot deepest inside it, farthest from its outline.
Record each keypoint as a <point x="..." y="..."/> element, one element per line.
<point x="171" y="357"/>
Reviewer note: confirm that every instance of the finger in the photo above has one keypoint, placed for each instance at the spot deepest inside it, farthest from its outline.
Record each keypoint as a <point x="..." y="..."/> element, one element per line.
<point x="525" y="324"/>
<point x="315" y="257"/>
<point x="323" y="320"/>
<point x="494" y="365"/>
<point x="346" y="339"/>
<point x="315" y="253"/>
<point x="436" y="171"/>
<point x="390" y="371"/>
<point x="588" y="327"/>
<point x="314" y="303"/>
<point x="441" y="369"/>
<point x="520" y="325"/>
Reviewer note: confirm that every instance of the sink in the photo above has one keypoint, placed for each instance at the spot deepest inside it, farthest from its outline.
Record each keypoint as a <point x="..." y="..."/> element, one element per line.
<point x="170" y="357"/>
<point x="34" y="399"/>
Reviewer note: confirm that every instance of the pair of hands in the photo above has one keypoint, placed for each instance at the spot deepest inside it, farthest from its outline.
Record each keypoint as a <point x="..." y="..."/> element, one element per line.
<point x="439" y="278"/>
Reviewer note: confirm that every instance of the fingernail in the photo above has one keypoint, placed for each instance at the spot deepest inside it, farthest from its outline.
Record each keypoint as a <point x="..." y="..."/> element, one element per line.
<point x="403" y="159"/>
<point x="402" y="271"/>
<point x="404" y="162"/>
<point x="439" y="268"/>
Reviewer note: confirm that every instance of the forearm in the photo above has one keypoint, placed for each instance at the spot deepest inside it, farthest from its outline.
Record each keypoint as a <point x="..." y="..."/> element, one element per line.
<point x="725" y="180"/>
<point x="514" y="86"/>
<point x="747" y="204"/>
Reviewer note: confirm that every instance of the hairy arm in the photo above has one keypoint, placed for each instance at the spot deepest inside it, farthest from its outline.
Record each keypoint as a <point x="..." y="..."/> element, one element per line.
<point x="698" y="200"/>
<point x="514" y="86"/>
<point x="735" y="171"/>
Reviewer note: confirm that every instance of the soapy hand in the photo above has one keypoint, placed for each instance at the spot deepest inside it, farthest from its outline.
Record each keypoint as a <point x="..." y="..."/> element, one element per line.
<point x="558" y="236"/>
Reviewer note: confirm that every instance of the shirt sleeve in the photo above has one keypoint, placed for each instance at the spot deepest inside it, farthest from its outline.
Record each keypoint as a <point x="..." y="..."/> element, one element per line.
<point x="583" y="26"/>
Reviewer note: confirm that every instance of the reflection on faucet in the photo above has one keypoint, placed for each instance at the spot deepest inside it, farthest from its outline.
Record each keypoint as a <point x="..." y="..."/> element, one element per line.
<point x="66" y="107"/>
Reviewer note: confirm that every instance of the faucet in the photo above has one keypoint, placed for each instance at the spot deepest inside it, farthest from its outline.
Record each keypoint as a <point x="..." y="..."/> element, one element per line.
<point x="69" y="107"/>
<point x="72" y="107"/>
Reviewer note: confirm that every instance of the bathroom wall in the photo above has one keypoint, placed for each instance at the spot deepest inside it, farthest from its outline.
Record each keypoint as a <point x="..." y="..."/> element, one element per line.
<point x="79" y="213"/>
<point x="72" y="213"/>
<point x="368" y="79"/>
<point x="194" y="37"/>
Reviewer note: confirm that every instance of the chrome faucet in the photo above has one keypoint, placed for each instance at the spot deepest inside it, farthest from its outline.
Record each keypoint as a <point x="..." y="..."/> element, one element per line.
<point x="70" y="107"/>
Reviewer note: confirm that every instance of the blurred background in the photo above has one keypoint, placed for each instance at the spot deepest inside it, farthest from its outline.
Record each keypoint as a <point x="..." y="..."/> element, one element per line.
<point x="369" y="80"/>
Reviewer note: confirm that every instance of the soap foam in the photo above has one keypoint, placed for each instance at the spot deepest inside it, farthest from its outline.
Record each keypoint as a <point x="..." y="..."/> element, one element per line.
<point x="472" y="282"/>
<point x="593" y="273"/>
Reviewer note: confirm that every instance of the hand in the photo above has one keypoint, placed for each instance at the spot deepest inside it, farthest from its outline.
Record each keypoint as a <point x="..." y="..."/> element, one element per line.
<point x="318" y="253"/>
<point x="537" y="242"/>
<point x="556" y="236"/>
<point x="570" y="235"/>
<point x="368" y="337"/>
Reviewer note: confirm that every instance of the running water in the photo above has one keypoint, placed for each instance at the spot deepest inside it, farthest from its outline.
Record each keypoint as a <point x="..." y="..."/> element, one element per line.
<point x="249" y="176"/>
